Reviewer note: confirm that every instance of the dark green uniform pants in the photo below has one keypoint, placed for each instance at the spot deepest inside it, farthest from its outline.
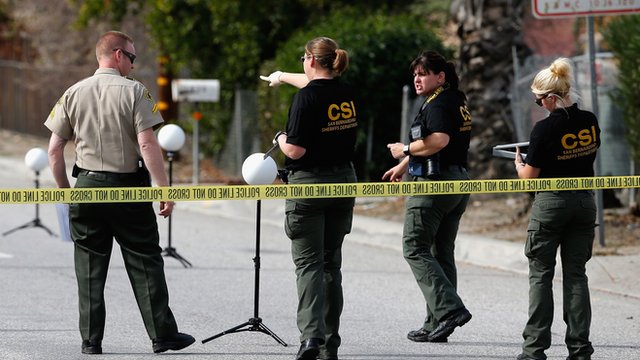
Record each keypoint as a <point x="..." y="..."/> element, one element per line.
<point x="430" y="229"/>
<point x="134" y="226"/>
<point x="317" y="228"/>
<point x="559" y="219"/>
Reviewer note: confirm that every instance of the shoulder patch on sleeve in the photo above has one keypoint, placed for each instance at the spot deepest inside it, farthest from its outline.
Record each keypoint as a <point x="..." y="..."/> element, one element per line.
<point x="147" y="95"/>
<point x="58" y="103"/>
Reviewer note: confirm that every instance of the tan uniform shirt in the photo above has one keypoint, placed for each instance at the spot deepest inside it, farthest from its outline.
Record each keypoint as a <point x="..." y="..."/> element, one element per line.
<point x="105" y="112"/>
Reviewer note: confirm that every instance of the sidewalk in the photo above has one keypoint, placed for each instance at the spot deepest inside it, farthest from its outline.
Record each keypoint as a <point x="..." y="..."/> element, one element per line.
<point x="615" y="274"/>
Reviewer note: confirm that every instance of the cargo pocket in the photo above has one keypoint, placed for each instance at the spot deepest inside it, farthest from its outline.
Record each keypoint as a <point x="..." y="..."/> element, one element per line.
<point x="289" y="219"/>
<point x="294" y="219"/>
<point x="538" y="246"/>
<point x="532" y="228"/>
<point x="415" y="238"/>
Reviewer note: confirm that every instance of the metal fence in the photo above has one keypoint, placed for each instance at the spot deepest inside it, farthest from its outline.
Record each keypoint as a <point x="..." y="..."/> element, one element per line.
<point x="614" y="152"/>
<point x="242" y="139"/>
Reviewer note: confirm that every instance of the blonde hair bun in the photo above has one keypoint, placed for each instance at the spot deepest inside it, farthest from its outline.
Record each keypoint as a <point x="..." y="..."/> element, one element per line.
<point x="561" y="68"/>
<point x="556" y="79"/>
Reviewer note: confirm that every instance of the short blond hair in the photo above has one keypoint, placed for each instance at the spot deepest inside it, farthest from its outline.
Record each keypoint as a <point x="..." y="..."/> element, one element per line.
<point x="111" y="40"/>
<point x="556" y="79"/>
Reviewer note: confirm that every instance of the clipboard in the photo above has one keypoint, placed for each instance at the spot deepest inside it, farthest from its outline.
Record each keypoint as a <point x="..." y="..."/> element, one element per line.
<point x="63" y="221"/>
<point x="508" y="151"/>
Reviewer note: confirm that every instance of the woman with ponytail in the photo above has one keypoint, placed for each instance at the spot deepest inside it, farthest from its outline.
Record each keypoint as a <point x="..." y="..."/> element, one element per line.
<point x="319" y="145"/>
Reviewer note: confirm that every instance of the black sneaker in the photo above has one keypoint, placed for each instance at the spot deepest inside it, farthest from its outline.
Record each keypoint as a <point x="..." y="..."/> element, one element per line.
<point x="446" y="326"/>
<point x="422" y="335"/>
<point x="91" y="347"/>
<point x="176" y="342"/>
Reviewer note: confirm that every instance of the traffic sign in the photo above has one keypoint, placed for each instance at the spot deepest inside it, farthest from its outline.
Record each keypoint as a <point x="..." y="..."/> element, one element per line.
<point x="196" y="90"/>
<point x="544" y="9"/>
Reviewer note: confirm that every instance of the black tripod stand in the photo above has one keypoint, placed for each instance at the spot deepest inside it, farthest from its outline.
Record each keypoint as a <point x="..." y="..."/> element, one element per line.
<point x="254" y="323"/>
<point x="35" y="222"/>
<point x="169" y="250"/>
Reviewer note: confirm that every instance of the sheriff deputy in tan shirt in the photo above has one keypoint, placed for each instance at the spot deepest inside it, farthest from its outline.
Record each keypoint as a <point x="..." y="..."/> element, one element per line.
<point x="112" y="119"/>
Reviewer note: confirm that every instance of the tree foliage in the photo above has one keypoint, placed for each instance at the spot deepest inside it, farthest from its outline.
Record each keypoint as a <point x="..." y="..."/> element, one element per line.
<point x="233" y="40"/>
<point x="380" y="47"/>
<point x="623" y="37"/>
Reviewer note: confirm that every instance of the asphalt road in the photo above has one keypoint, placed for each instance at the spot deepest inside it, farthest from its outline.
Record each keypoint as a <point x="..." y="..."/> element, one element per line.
<point x="38" y="304"/>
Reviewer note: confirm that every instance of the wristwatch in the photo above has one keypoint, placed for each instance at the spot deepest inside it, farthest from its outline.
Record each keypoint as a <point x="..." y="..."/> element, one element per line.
<point x="275" y="138"/>
<point x="405" y="150"/>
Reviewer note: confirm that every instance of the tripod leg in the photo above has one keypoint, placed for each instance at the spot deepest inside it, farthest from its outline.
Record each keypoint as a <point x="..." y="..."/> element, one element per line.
<point x="32" y="223"/>
<point x="37" y="223"/>
<point x="255" y="323"/>
<point x="171" y="252"/>
<point x="229" y="331"/>
<point x="263" y="328"/>
<point x="29" y="224"/>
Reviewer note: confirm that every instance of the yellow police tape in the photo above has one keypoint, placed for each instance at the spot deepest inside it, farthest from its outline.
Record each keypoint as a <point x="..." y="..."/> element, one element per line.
<point x="265" y="192"/>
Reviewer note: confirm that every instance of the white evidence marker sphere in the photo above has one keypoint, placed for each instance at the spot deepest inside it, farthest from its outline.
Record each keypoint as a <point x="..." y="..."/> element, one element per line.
<point x="256" y="170"/>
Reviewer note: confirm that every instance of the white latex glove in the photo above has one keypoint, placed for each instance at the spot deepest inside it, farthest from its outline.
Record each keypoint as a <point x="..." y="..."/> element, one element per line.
<point x="273" y="78"/>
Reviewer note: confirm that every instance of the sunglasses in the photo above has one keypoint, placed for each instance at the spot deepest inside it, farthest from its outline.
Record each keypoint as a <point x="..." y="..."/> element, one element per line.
<point x="131" y="56"/>
<point x="539" y="100"/>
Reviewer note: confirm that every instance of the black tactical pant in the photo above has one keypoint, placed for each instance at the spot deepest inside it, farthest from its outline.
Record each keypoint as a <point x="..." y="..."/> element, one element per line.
<point x="134" y="227"/>
<point x="428" y="242"/>
<point x="317" y="228"/>
<point x="565" y="220"/>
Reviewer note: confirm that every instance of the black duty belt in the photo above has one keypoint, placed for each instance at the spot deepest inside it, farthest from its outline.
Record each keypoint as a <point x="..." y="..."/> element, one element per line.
<point x="106" y="175"/>
<point x="324" y="169"/>
<point x="454" y="168"/>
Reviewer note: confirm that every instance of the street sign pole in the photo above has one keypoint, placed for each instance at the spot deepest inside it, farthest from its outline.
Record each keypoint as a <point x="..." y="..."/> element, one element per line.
<point x="596" y="110"/>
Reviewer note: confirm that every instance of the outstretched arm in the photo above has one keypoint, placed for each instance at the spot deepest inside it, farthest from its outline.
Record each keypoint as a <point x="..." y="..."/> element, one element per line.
<point x="276" y="78"/>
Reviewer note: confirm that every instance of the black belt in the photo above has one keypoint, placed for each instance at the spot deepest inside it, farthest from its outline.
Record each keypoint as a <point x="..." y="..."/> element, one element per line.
<point x="328" y="168"/>
<point x="106" y="175"/>
<point x="454" y="168"/>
